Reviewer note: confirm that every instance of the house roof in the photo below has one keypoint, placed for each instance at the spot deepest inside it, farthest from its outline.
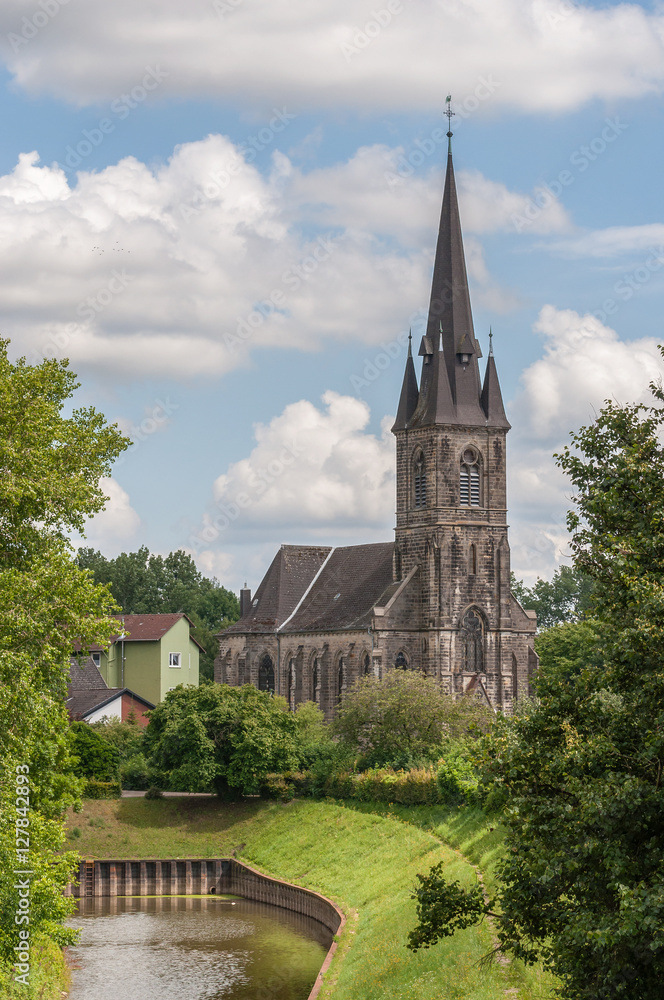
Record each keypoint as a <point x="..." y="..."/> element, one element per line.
<point x="84" y="702"/>
<point x="84" y="675"/>
<point x="144" y="628"/>
<point x="312" y="589"/>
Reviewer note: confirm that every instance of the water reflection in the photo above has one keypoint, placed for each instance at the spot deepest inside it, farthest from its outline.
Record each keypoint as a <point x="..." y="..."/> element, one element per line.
<point x="186" y="948"/>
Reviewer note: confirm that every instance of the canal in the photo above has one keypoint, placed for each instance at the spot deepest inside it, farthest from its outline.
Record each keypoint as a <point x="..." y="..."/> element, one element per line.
<point x="193" y="948"/>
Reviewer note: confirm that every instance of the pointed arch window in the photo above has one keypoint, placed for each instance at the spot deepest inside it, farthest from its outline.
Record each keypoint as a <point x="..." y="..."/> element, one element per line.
<point x="472" y="634"/>
<point x="291" y="684"/>
<point x="266" y="674"/>
<point x="315" y="681"/>
<point x="401" y="661"/>
<point x="341" y="678"/>
<point x="469" y="479"/>
<point x="366" y="665"/>
<point x="419" y="480"/>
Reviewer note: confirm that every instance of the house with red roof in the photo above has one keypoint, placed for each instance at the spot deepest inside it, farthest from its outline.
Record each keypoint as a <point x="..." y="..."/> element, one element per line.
<point x="151" y="656"/>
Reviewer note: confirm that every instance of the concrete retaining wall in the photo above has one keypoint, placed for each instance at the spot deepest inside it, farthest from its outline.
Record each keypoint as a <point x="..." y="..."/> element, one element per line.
<point x="156" y="877"/>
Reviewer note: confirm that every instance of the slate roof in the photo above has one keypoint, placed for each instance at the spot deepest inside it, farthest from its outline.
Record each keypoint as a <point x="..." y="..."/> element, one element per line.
<point x="319" y="589"/>
<point x="81" y="703"/>
<point x="290" y="574"/>
<point x="84" y="675"/>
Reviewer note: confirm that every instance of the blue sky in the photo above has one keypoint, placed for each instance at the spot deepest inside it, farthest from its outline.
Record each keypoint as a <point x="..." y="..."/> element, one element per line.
<point x="225" y="216"/>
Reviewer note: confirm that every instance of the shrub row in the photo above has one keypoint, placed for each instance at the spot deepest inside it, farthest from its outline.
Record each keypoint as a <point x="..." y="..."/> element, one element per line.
<point x="102" y="789"/>
<point x="451" y="781"/>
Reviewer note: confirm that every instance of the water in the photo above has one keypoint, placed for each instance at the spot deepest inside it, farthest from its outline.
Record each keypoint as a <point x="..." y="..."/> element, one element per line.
<point x="189" y="948"/>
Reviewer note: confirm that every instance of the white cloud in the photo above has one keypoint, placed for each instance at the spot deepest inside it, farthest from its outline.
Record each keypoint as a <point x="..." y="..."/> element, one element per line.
<point x="184" y="269"/>
<point x="532" y="54"/>
<point x="117" y="525"/>
<point x="313" y="474"/>
<point x="584" y="363"/>
<point x="487" y="206"/>
<point x="615" y="240"/>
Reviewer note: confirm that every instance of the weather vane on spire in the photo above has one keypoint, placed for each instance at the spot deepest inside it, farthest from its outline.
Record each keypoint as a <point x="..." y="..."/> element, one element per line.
<point x="450" y="115"/>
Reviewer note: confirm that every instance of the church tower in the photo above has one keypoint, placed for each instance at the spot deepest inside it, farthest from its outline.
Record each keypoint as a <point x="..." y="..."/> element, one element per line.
<point x="451" y="529"/>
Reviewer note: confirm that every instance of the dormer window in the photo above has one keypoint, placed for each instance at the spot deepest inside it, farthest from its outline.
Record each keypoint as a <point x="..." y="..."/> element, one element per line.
<point x="469" y="479"/>
<point x="419" y="481"/>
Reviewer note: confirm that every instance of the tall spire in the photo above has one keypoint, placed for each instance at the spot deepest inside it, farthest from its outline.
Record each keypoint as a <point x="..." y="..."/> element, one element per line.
<point x="455" y="371"/>
<point x="409" y="392"/>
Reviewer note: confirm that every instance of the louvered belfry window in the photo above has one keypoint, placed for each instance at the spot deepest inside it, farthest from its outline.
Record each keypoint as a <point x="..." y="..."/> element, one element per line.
<point x="469" y="479"/>
<point x="420" y="481"/>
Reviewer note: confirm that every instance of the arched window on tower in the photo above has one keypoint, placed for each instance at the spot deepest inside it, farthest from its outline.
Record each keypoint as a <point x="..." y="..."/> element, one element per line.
<point x="469" y="479"/>
<point x="472" y="560"/>
<point x="515" y="678"/>
<point x="366" y="665"/>
<point x="419" y="480"/>
<point x="401" y="661"/>
<point x="472" y="631"/>
<point x="266" y="674"/>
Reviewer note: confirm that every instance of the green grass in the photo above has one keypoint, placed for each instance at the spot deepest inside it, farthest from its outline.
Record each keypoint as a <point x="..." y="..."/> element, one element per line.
<point x="365" y="859"/>
<point x="49" y="975"/>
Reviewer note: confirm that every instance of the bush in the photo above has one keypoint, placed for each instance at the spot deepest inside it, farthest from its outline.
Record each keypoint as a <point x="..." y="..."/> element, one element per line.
<point x="457" y="781"/>
<point x="102" y="789"/>
<point x="154" y="793"/>
<point x="135" y="774"/>
<point x="410" y="788"/>
<point x="97" y="758"/>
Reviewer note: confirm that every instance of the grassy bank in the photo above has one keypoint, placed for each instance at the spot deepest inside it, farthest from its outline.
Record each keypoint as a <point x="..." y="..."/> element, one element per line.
<point x="49" y="976"/>
<point x="365" y="860"/>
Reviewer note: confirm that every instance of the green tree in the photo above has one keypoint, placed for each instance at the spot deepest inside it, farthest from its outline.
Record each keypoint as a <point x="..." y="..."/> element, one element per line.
<point x="404" y="719"/>
<point x="95" y="757"/>
<point x="142" y="583"/>
<point x="50" y="484"/>
<point x="581" y="883"/>
<point x="221" y="738"/>
<point x="567" y="597"/>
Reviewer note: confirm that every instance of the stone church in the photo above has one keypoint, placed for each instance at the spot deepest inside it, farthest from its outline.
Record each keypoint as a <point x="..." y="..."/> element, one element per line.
<point x="437" y="599"/>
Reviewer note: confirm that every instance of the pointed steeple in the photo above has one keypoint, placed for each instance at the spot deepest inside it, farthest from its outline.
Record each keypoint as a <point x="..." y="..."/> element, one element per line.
<point x="455" y="371"/>
<point x="492" y="399"/>
<point x="409" y="392"/>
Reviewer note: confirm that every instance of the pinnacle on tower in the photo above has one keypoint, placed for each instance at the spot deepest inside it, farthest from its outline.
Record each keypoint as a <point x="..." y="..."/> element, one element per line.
<point x="409" y="392"/>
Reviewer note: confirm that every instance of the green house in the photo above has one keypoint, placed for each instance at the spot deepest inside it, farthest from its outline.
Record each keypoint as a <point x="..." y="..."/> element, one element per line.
<point x="153" y="655"/>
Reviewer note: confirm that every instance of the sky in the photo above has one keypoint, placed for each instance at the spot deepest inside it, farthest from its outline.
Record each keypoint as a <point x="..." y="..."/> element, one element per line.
<point x="224" y="214"/>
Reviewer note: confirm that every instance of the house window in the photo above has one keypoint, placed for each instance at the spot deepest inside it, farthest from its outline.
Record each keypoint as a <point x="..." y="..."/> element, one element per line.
<point x="469" y="479"/>
<point x="419" y="481"/>
<point x="96" y="659"/>
<point x="175" y="659"/>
